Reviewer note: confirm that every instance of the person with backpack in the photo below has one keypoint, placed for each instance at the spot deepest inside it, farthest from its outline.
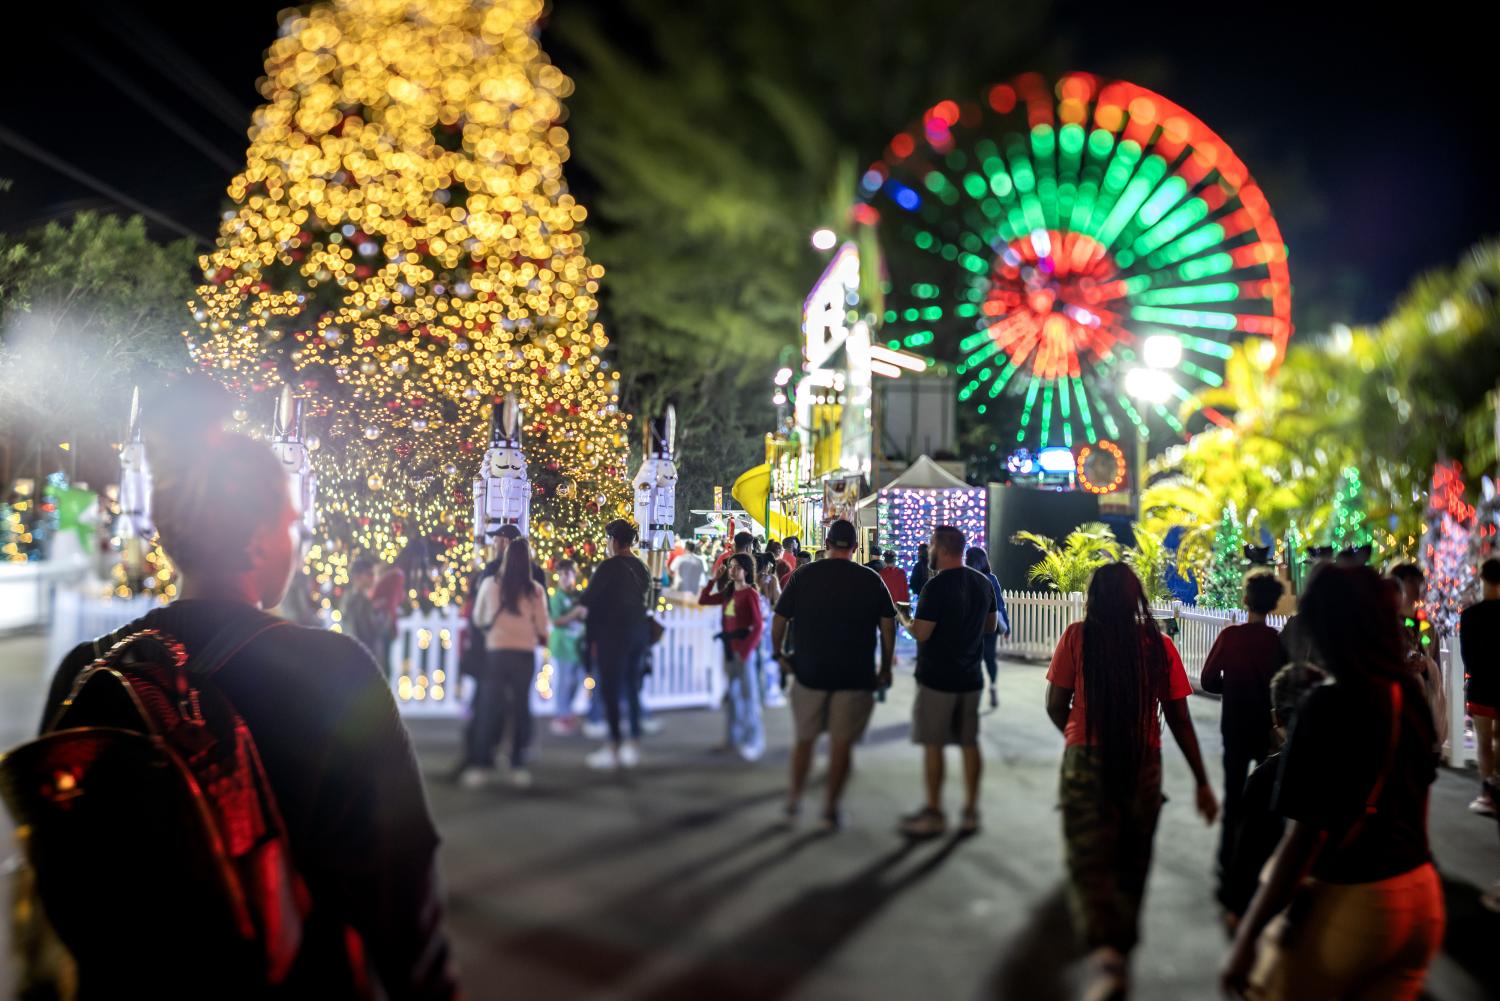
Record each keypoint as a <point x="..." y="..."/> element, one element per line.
<point x="1352" y="905"/>
<point x="1113" y="678"/>
<point x="618" y="635"/>
<point x="515" y="607"/>
<point x="276" y="838"/>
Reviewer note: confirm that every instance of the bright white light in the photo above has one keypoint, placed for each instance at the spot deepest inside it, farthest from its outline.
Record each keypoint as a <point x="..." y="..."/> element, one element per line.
<point x="779" y="398"/>
<point x="1343" y="338"/>
<point x="1150" y="384"/>
<point x="1056" y="460"/>
<point x="1041" y="243"/>
<point x="824" y="239"/>
<point x="783" y="376"/>
<point x="1265" y="351"/>
<point x="1162" y="351"/>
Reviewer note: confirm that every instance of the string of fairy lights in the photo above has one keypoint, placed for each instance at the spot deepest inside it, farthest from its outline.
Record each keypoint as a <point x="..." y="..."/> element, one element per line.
<point x="404" y="252"/>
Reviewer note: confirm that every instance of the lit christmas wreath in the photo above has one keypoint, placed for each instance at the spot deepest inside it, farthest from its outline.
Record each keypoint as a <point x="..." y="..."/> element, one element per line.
<point x="1094" y="483"/>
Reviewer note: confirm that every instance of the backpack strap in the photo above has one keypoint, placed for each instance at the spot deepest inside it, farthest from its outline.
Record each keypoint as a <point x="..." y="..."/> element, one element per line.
<point x="228" y="644"/>
<point x="1388" y="763"/>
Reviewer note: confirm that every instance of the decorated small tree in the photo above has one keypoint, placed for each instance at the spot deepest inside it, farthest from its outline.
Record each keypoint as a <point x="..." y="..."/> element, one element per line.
<point x="1224" y="576"/>
<point x="1348" y="528"/>
<point x="1446" y="548"/>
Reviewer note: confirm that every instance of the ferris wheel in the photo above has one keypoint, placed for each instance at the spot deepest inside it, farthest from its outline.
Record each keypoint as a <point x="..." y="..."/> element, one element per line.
<point x="1085" y="254"/>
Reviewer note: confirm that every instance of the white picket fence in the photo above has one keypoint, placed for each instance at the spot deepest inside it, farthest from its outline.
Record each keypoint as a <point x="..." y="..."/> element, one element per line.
<point x="686" y="666"/>
<point x="28" y="591"/>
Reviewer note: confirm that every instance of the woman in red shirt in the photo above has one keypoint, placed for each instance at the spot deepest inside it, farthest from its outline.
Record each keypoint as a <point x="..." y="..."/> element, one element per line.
<point x="1113" y="676"/>
<point x="734" y="588"/>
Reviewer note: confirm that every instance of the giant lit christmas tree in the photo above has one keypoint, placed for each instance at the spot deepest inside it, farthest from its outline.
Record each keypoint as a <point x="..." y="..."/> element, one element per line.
<point x="404" y="252"/>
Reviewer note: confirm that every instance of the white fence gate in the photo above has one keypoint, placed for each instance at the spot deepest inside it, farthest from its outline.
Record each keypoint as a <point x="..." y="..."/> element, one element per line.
<point x="687" y="666"/>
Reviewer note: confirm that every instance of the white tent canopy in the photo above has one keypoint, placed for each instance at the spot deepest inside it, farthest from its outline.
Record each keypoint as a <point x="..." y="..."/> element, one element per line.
<point x="925" y="474"/>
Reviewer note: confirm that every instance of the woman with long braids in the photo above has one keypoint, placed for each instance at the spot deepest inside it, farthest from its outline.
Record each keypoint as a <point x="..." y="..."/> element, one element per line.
<point x="1112" y="679"/>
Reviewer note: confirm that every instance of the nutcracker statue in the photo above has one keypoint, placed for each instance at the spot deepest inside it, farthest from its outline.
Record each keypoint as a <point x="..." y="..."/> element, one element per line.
<point x="291" y="447"/>
<point x="502" y="490"/>
<point x="656" y="492"/>
<point x="134" y="526"/>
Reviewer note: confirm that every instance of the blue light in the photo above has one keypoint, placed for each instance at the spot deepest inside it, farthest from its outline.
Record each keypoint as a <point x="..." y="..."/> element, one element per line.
<point x="904" y="196"/>
<point x="1020" y="463"/>
<point x="1056" y="460"/>
<point x="871" y="181"/>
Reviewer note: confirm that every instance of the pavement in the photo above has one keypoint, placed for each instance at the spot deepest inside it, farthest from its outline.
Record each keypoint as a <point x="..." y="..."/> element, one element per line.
<point x="678" y="881"/>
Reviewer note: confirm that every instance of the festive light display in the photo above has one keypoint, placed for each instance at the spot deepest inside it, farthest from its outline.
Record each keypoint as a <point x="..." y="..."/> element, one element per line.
<point x="907" y="516"/>
<point x="1224" y="576"/>
<point x="1446" y="549"/>
<point x="1294" y="556"/>
<point x="1348" y="528"/>
<point x="1096" y="460"/>
<point x="1060" y="229"/>
<point x="404" y="252"/>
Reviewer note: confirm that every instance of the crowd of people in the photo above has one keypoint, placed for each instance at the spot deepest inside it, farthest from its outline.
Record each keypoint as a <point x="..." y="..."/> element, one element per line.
<point x="1331" y="735"/>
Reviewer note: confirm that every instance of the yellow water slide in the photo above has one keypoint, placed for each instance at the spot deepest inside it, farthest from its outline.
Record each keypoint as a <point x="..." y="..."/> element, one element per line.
<point x="751" y="491"/>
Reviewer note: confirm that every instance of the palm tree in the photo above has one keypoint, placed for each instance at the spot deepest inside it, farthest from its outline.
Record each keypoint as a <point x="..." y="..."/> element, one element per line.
<point x="1148" y="558"/>
<point x="1067" y="567"/>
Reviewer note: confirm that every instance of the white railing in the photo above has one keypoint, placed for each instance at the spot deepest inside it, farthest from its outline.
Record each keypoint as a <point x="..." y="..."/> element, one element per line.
<point x="1037" y="620"/>
<point x="687" y="666"/>
<point x="28" y="590"/>
<point x="78" y="618"/>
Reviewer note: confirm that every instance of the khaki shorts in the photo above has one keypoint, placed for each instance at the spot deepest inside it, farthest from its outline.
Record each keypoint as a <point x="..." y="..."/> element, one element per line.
<point x="940" y="718"/>
<point x="843" y="714"/>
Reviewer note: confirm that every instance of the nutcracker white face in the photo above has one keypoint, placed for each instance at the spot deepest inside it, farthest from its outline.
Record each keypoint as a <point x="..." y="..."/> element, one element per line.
<point x="505" y="463"/>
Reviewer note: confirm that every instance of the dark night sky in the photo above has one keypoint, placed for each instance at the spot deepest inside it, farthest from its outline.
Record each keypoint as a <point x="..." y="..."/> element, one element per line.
<point x="1367" y="135"/>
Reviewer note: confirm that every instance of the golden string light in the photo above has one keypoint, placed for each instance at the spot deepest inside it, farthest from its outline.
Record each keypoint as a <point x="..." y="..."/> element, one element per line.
<point x="403" y="252"/>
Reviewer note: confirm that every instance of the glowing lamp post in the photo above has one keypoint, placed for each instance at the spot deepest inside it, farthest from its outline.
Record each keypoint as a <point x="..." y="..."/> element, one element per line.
<point x="1151" y="384"/>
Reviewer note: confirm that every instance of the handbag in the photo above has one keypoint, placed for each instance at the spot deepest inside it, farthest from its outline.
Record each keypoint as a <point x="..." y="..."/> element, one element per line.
<point x="1302" y="902"/>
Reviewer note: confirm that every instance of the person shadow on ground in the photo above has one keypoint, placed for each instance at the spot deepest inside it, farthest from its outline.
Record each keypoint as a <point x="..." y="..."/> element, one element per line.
<point x="773" y="957"/>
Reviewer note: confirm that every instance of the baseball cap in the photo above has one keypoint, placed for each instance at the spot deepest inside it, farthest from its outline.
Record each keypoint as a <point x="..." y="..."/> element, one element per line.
<point x="841" y="534"/>
<point x="510" y="532"/>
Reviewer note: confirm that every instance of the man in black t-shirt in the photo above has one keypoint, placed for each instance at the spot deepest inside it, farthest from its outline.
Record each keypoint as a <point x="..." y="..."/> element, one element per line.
<point x="955" y="610"/>
<point x="835" y="607"/>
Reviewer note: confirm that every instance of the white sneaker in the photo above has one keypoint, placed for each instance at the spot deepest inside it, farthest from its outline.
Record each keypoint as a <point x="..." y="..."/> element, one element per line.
<point x="605" y="759"/>
<point x="1482" y="805"/>
<point x="595" y="731"/>
<point x="652" y="726"/>
<point x="629" y="756"/>
<point x="520" y="778"/>
<point x="750" y="753"/>
<point x="474" y="777"/>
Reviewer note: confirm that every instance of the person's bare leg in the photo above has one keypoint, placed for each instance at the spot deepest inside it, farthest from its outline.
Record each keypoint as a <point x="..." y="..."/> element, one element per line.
<point x="1484" y="745"/>
<point x="840" y="763"/>
<point x="802" y="755"/>
<point x="973" y="769"/>
<point x="933" y="773"/>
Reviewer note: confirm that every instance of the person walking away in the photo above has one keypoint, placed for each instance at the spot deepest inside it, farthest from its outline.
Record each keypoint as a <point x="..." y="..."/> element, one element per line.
<point x="617" y="599"/>
<point x="1259" y="828"/>
<point x="976" y="558"/>
<point x="895" y="578"/>
<point x="1410" y="581"/>
<point x="389" y="597"/>
<point x="1352" y="906"/>
<point x="1296" y="636"/>
<point x="567" y="633"/>
<point x="779" y="565"/>
<point x="358" y="615"/>
<point x="834" y="610"/>
<point x="791" y="549"/>
<point x="1240" y="666"/>
<point x="1479" y="643"/>
<point x="734" y="589"/>
<point x="336" y="758"/>
<point x="515" y="607"/>
<point x="744" y="542"/>
<point x="955" y="610"/>
<point x="920" y="570"/>
<point x="688" y="571"/>
<point x="1112" y="679"/>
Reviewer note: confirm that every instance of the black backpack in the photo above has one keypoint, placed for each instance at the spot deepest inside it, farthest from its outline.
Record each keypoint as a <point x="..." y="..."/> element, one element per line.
<point x="150" y="827"/>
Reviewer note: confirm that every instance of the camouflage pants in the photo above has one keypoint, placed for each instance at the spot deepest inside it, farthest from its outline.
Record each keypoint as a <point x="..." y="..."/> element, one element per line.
<point x="1107" y="848"/>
